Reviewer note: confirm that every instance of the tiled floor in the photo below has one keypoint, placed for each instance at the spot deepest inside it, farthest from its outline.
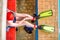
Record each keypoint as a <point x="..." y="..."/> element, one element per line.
<point x="25" y="6"/>
<point x="46" y="5"/>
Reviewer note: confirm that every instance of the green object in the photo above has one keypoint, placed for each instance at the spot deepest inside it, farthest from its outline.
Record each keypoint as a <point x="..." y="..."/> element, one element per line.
<point x="43" y="14"/>
<point x="46" y="13"/>
<point x="47" y="28"/>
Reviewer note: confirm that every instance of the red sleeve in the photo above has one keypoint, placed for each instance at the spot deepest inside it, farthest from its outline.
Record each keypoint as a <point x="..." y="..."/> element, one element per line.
<point x="10" y="16"/>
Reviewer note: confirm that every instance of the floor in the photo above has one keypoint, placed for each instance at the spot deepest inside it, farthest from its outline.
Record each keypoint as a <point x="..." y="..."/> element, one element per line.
<point x="27" y="6"/>
<point x="46" y="5"/>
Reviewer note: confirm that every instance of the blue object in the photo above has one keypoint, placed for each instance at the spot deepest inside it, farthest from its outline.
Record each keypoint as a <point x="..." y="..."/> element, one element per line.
<point x="36" y="32"/>
<point x="14" y="18"/>
<point x="28" y="29"/>
<point x="59" y="19"/>
<point x="7" y="28"/>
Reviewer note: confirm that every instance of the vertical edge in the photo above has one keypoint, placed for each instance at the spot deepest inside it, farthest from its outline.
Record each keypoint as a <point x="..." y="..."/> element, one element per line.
<point x="58" y="19"/>
<point x="15" y="11"/>
<point x="36" y="32"/>
<point x="4" y="9"/>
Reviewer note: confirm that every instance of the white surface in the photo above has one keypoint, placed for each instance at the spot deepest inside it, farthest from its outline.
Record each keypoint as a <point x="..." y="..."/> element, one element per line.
<point x="0" y="17"/>
<point x="4" y="20"/>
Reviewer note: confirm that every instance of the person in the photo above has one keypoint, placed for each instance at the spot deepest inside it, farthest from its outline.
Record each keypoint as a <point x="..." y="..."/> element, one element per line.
<point x="17" y="20"/>
<point x="21" y="19"/>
